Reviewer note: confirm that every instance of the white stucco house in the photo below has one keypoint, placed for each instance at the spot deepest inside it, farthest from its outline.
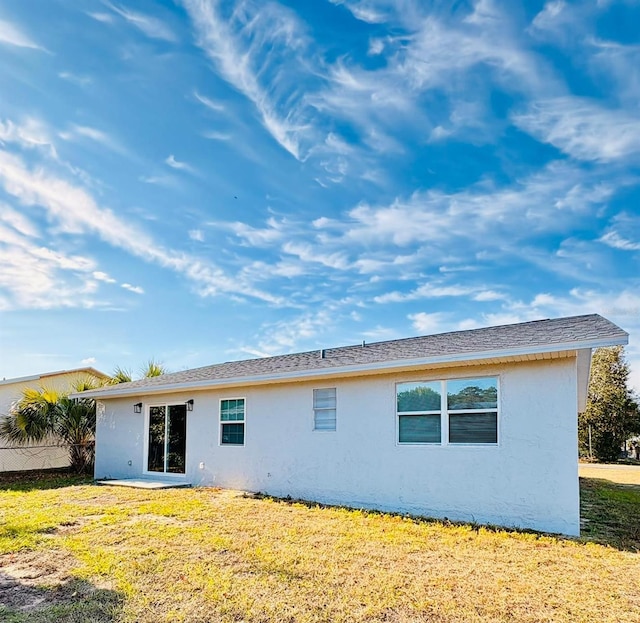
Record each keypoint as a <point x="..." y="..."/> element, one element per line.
<point x="476" y="425"/>
<point x="38" y="457"/>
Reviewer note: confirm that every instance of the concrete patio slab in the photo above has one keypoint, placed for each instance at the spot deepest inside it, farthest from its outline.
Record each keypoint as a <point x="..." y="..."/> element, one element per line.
<point x="138" y="483"/>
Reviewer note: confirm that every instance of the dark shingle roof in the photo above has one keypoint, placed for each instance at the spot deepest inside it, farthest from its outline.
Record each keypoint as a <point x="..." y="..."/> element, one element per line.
<point x="592" y="330"/>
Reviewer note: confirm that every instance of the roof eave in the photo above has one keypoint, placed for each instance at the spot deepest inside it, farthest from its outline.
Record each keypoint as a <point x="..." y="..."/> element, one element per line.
<point x="44" y="375"/>
<point x="351" y="370"/>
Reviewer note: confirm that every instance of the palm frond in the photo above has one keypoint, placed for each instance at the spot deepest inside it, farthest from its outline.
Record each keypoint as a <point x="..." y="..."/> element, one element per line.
<point x="120" y="375"/>
<point x="87" y="383"/>
<point x="153" y="368"/>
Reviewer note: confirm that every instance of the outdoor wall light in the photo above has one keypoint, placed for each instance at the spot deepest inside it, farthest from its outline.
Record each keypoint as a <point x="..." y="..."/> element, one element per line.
<point x="190" y="405"/>
<point x="137" y="408"/>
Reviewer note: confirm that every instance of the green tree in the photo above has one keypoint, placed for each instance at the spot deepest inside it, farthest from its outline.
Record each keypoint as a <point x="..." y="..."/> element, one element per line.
<point x="47" y="416"/>
<point x="612" y="411"/>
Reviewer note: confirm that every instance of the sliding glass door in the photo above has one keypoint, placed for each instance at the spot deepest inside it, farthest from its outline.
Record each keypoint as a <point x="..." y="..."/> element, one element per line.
<point x="167" y="439"/>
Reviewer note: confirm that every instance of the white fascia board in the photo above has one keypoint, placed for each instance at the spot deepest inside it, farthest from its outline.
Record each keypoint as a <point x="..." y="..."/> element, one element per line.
<point x="46" y="375"/>
<point x="21" y="379"/>
<point x="353" y="370"/>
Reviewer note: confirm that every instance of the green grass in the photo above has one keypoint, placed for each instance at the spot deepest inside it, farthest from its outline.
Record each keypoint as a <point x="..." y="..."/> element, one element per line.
<point x="109" y="554"/>
<point x="611" y="513"/>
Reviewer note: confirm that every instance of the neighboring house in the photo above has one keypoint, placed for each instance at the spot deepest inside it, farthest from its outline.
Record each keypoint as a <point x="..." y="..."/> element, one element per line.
<point x="30" y="457"/>
<point x="476" y="425"/>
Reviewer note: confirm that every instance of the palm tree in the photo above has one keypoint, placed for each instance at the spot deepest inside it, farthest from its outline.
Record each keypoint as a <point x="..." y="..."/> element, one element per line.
<point x="153" y="368"/>
<point x="121" y="375"/>
<point x="150" y="369"/>
<point x="47" y="416"/>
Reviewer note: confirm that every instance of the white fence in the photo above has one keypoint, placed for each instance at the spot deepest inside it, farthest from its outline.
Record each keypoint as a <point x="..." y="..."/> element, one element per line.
<point x="26" y="458"/>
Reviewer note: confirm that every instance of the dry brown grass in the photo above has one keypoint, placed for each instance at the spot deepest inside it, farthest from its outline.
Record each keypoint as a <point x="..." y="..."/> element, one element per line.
<point x="204" y="555"/>
<point x="620" y="474"/>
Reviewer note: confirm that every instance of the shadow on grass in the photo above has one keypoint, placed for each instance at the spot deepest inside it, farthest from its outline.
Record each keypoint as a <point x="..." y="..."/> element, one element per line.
<point x="74" y="601"/>
<point x="609" y="515"/>
<point x="42" y="479"/>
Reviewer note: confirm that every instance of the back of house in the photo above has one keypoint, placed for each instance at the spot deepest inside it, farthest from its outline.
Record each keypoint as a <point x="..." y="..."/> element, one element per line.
<point x="477" y="426"/>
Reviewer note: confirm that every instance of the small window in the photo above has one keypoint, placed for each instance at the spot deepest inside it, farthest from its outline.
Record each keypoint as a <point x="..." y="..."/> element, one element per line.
<point x="324" y="409"/>
<point x="419" y="409"/>
<point x="232" y="422"/>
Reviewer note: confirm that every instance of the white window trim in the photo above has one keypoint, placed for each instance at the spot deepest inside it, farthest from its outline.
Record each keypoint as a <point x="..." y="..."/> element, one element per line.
<point x="314" y="409"/>
<point x="445" y="411"/>
<point x="145" y="456"/>
<point x="243" y="422"/>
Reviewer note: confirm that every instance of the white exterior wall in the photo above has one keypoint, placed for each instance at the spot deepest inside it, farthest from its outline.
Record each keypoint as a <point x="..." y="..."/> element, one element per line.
<point x="529" y="480"/>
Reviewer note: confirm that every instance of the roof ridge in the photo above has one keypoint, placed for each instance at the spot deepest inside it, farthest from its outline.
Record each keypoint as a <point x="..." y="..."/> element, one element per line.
<point x="508" y="340"/>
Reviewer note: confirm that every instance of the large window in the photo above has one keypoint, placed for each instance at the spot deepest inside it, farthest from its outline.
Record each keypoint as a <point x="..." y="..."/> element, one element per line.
<point x="232" y="422"/>
<point x="466" y="410"/>
<point x="167" y="440"/>
<point x="324" y="409"/>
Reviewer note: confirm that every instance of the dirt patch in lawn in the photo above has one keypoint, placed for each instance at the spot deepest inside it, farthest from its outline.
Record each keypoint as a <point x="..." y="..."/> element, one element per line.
<point x="27" y="579"/>
<point x="37" y="587"/>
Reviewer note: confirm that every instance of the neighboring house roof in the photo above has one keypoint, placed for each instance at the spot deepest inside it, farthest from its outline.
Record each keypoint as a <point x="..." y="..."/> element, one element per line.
<point x="44" y="375"/>
<point x="515" y="342"/>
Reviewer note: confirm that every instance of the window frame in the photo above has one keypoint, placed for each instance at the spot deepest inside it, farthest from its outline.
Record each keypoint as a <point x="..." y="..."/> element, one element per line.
<point x="221" y="423"/>
<point x="316" y="409"/>
<point x="445" y="412"/>
<point x="147" y="423"/>
<point x="438" y="412"/>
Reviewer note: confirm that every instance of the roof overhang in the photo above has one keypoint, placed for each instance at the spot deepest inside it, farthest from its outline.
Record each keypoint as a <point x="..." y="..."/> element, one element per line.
<point x="45" y="375"/>
<point x="489" y="357"/>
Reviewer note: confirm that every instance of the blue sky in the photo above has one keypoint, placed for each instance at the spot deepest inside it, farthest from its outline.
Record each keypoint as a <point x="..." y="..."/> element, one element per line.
<point x="199" y="181"/>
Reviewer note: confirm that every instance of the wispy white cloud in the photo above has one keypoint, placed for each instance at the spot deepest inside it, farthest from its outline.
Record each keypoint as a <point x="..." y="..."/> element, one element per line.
<point x="582" y="128"/>
<point x="105" y="18"/>
<point x="18" y="221"/>
<point x="148" y="24"/>
<point x="623" y="233"/>
<point x="291" y="334"/>
<point x="75" y="78"/>
<point x="255" y="236"/>
<point x="617" y="65"/>
<point x="31" y="133"/>
<point x="438" y="290"/>
<point x="101" y="276"/>
<point x="553" y="20"/>
<point x="209" y="103"/>
<point x="132" y="288"/>
<point x="429" y="323"/>
<point x="197" y="235"/>
<point x="176" y="164"/>
<point x="77" y="132"/>
<point x="160" y="180"/>
<point x="74" y="211"/>
<point x="10" y="34"/>
<point x="88" y="361"/>
<point x="369" y="11"/>
<point x="248" y="45"/>
<point x="37" y="276"/>
<point x="409" y="235"/>
<point x="217" y="136"/>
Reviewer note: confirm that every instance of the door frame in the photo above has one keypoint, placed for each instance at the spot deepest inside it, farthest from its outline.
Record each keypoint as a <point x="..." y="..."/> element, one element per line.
<point x="145" y="455"/>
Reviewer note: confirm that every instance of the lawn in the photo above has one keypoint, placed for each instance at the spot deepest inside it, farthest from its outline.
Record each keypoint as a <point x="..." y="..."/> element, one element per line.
<point x="73" y="551"/>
